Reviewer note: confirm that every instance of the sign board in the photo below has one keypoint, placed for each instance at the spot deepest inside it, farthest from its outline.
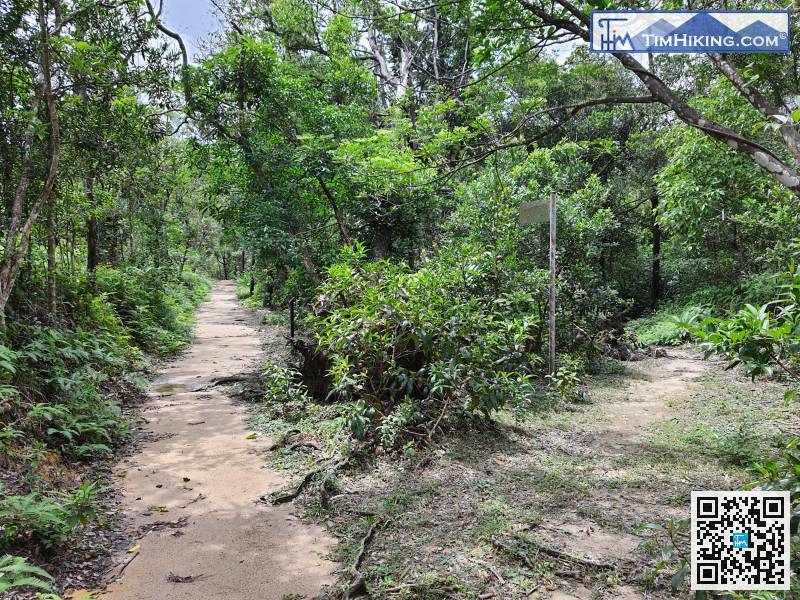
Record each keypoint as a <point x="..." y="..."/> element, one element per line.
<point x="678" y="31"/>
<point x="534" y="212"/>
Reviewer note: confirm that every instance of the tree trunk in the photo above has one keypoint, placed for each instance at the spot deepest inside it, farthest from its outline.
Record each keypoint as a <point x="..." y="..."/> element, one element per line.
<point x="72" y="244"/>
<point x="252" y="274"/>
<point x="381" y="241"/>
<point x="91" y="226"/>
<point x="18" y="235"/>
<point x="655" y="273"/>
<point x="183" y="260"/>
<point x="51" y="258"/>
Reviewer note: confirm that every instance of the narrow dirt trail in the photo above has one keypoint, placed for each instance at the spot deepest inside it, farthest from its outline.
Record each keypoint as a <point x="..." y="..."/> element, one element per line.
<point x="193" y="486"/>
<point x="610" y="439"/>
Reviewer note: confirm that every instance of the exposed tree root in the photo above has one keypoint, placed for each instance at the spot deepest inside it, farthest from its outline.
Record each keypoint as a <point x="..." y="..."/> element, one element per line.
<point x="491" y="569"/>
<point x="359" y="585"/>
<point x="585" y="562"/>
<point x="284" y="439"/>
<point x="225" y="381"/>
<point x="309" y="477"/>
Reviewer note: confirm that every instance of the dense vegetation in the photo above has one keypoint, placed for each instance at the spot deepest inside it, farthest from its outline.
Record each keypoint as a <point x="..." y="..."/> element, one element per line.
<point x="368" y="159"/>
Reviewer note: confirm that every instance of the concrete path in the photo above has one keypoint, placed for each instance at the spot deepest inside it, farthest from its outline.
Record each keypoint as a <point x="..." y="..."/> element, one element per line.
<point x="193" y="486"/>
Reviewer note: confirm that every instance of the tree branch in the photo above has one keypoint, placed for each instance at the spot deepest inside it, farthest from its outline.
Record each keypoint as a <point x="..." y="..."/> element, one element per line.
<point x="759" y="154"/>
<point x="187" y="87"/>
<point x="765" y="107"/>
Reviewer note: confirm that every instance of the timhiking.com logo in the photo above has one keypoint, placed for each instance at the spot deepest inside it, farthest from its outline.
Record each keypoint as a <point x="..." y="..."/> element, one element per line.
<point x="690" y="31"/>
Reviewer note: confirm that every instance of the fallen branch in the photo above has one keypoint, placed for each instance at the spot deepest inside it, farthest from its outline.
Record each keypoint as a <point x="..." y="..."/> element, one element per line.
<point x="304" y="444"/>
<point x="439" y="420"/>
<point x="359" y="585"/>
<point x="199" y="497"/>
<point x="159" y="525"/>
<point x="225" y="381"/>
<point x="124" y="566"/>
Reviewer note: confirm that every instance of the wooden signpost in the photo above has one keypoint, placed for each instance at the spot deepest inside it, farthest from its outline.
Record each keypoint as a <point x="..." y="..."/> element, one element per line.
<point x="542" y="212"/>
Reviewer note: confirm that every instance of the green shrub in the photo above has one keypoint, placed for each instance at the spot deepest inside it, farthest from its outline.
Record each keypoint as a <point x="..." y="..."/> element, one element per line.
<point x="61" y="375"/>
<point x="283" y="384"/>
<point x="155" y="309"/>
<point x="54" y="381"/>
<point x="763" y="339"/>
<point x="405" y="346"/>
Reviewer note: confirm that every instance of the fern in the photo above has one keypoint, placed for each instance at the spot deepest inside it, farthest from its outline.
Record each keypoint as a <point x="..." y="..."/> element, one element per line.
<point x="15" y="572"/>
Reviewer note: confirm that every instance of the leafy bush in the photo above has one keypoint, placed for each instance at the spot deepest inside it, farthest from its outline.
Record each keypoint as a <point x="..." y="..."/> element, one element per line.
<point x="763" y="338"/>
<point x="59" y="374"/>
<point x="405" y="346"/>
<point x="55" y="381"/>
<point x="283" y="384"/>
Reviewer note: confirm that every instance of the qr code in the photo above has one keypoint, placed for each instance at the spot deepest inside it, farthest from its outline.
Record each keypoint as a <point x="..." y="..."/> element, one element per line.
<point x="740" y="540"/>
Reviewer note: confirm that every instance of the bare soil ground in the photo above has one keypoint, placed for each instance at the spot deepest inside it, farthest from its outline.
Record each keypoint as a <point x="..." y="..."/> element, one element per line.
<point x="551" y="506"/>
<point x="191" y="493"/>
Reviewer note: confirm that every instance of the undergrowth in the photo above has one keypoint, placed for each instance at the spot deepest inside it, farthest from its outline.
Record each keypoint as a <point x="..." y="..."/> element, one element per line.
<point x="63" y="381"/>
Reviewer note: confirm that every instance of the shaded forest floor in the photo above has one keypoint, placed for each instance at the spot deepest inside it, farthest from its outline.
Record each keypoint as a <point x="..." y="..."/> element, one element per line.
<point x="551" y="505"/>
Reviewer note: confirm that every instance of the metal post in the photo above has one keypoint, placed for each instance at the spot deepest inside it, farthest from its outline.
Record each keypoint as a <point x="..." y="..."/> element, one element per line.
<point x="552" y="300"/>
<point x="291" y="318"/>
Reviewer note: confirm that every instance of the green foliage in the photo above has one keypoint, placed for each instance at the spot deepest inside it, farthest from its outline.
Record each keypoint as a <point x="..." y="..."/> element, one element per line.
<point x="667" y="326"/>
<point x="47" y="521"/>
<point x="420" y="341"/>
<point x="566" y="382"/>
<point x="15" y="572"/>
<point x="670" y="542"/>
<point x="59" y="379"/>
<point x="760" y="338"/>
<point x="282" y="384"/>
<point x="155" y="308"/>
<point x="69" y="369"/>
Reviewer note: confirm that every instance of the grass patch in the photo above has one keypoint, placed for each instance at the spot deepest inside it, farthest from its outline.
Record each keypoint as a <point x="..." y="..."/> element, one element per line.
<point x="664" y="327"/>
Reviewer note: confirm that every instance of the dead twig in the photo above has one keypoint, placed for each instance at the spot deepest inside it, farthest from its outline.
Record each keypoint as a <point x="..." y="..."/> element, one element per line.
<point x="159" y="525"/>
<point x="439" y="420"/>
<point x="173" y="578"/>
<point x="199" y="497"/>
<point x="284" y="439"/>
<point x="124" y="566"/>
